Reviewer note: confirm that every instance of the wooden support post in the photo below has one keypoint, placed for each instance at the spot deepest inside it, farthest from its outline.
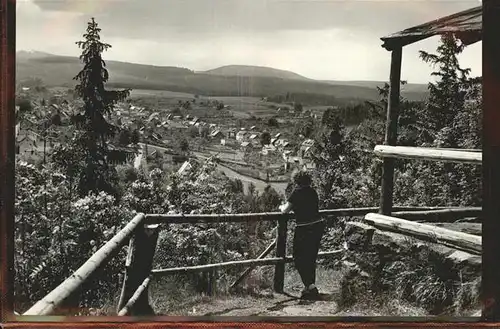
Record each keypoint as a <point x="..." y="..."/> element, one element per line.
<point x="391" y="130"/>
<point x="7" y="153"/>
<point x="279" y="270"/>
<point x="138" y="267"/>
<point x="491" y="162"/>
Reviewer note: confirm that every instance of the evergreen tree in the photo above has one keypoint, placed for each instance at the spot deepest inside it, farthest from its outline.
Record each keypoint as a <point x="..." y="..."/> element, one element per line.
<point x="93" y="131"/>
<point x="448" y="95"/>
<point x="329" y="150"/>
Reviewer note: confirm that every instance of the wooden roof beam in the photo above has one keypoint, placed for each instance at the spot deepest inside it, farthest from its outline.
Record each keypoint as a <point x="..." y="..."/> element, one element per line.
<point x="467" y="37"/>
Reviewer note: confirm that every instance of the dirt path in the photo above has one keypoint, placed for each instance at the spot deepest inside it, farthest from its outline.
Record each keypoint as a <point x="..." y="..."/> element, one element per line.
<point x="270" y="305"/>
<point x="267" y="302"/>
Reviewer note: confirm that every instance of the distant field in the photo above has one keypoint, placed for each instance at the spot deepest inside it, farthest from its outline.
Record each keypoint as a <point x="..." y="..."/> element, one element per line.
<point x="241" y="107"/>
<point x="161" y="93"/>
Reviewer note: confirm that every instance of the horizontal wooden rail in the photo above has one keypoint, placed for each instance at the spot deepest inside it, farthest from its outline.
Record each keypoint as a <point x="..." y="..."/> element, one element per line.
<point x="50" y="302"/>
<point x="427" y="153"/>
<point x="443" y="215"/>
<point x="458" y="240"/>
<point x="137" y="294"/>
<point x="249" y="262"/>
<point x="268" y="216"/>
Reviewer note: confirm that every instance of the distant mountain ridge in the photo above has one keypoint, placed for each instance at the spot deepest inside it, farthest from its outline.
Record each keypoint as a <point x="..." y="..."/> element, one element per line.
<point x="230" y="80"/>
<point x="255" y="71"/>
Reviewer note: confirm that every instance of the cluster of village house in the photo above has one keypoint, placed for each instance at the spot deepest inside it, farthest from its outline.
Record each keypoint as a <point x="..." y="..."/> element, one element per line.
<point x="244" y="139"/>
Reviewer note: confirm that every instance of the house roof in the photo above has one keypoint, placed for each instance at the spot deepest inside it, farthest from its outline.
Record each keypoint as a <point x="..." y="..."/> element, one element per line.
<point x="215" y="133"/>
<point x="466" y="25"/>
<point x="308" y="143"/>
<point x="126" y="149"/>
<point x="185" y="166"/>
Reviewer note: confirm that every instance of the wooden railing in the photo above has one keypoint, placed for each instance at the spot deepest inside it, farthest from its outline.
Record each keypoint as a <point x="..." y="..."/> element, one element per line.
<point x="428" y="153"/>
<point x="142" y="233"/>
<point x="54" y="299"/>
<point x="390" y="152"/>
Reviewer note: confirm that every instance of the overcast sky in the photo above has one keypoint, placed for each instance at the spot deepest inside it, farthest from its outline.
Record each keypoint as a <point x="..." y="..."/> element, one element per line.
<point x="320" y="39"/>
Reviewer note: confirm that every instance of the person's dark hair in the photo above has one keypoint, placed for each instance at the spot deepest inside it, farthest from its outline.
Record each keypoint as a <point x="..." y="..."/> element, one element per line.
<point x="302" y="178"/>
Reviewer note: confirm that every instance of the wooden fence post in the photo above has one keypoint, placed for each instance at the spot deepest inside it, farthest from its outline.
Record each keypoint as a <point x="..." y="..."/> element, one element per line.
<point x="279" y="270"/>
<point x="391" y="130"/>
<point x="138" y="265"/>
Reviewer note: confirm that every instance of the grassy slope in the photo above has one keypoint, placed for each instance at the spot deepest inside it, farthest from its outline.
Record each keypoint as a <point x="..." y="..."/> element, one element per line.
<point x="59" y="71"/>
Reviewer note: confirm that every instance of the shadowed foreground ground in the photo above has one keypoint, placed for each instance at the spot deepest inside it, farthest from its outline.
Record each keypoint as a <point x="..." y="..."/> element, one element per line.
<point x="268" y="303"/>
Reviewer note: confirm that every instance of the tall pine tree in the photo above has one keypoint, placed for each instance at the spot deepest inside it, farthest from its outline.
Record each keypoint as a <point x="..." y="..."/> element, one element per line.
<point x="449" y="94"/>
<point x="93" y="130"/>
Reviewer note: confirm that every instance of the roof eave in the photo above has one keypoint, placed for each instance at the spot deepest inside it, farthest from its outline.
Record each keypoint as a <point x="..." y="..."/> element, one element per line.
<point x="469" y="34"/>
<point x="467" y="37"/>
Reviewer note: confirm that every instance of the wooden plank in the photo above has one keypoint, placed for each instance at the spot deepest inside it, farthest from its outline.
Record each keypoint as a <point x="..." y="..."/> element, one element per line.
<point x="440" y="215"/>
<point x="391" y="130"/>
<point x="269" y="216"/>
<point x="491" y="163"/>
<point x="211" y="218"/>
<point x="428" y="153"/>
<point x="7" y="153"/>
<point x="248" y="262"/>
<point x="279" y="269"/>
<point x="135" y="297"/>
<point x="463" y="241"/>
<point x="50" y="302"/>
<point x="266" y="252"/>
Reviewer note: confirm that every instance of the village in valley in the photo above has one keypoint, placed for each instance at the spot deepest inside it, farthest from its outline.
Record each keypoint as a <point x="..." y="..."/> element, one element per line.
<point x="266" y="148"/>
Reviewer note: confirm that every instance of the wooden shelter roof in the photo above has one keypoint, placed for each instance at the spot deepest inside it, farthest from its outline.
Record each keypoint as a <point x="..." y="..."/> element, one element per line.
<point x="466" y="25"/>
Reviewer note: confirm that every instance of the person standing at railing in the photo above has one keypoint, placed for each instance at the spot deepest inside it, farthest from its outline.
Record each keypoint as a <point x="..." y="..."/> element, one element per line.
<point x="309" y="230"/>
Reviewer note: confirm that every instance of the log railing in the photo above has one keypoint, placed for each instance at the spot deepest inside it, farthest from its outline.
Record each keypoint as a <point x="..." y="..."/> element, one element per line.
<point x="142" y="233"/>
<point x="428" y="153"/>
<point x="55" y="298"/>
<point x="391" y="152"/>
<point x="458" y="240"/>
